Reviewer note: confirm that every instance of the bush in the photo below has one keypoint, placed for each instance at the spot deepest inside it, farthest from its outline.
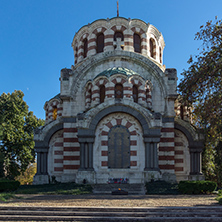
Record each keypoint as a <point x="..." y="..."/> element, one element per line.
<point x="161" y="187"/>
<point x="197" y="187"/>
<point x="8" y="185"/>
<point x="219" y="199"/>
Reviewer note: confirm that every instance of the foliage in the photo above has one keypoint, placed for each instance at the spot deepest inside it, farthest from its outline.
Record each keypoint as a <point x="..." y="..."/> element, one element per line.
<point x="6" y="196"/>
<point x="8" y="185"/>
<point x="17" y="126"/>
<point x="197" y="187"/>
<point x="27" y="176"/>
<point x="219" y="199"/>
<point x="201" y="88"/>
<point x="161" y="187"/>
<point x="60" y="188"/>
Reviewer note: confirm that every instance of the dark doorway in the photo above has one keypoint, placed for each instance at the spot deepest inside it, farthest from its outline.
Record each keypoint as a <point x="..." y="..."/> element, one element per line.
<point x="119" y="147"/>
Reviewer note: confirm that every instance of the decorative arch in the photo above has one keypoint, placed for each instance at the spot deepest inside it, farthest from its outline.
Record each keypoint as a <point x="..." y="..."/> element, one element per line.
<point x="118" y="34"/>
<point x="120" y="109"/>
<point x="195" y="148"/>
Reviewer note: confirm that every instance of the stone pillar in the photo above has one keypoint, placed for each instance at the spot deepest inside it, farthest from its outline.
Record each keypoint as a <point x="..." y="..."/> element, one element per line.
<point x="195" y="161"/>
<point x="151" y="155"/>
<point x="42" y="161"/>
<point x="90" y="147"/>
<point x="86" y="140"/>
<point x="82" y="154"/>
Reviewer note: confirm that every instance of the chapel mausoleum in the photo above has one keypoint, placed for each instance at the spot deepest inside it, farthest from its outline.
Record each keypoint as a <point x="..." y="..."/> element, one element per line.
<point x="116" y="114"/>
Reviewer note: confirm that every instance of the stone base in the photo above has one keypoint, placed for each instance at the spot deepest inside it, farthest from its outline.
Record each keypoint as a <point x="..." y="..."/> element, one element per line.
<point x="182" y="177"/>
<point x="197" y="177"/>
<point x="134" y="177"/>
<point x="169" y="177"/>
<point x="85" y="177"/>
<point x="40" y="179"/>
<point x="151" y="175"/>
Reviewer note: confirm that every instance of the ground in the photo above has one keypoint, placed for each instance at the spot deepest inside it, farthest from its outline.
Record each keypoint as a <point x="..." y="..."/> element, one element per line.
<point x="113" y="200"/>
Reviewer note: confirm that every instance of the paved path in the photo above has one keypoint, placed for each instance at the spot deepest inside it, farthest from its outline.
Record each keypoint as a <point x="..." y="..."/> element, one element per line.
<point x="114" y="201"/>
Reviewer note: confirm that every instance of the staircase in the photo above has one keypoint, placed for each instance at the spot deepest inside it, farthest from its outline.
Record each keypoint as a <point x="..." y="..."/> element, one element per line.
<point x="136" y="189"/>
<point x="175" y="214"/>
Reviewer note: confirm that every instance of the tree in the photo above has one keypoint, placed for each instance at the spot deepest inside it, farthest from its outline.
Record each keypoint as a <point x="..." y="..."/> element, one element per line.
<point x="27" y="176"/>
<point x="201" y="88"/>
<point x="17" y="126"/>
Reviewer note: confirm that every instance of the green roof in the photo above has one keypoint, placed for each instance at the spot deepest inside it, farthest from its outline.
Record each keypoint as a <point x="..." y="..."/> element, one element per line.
<point x="117" y="70"/>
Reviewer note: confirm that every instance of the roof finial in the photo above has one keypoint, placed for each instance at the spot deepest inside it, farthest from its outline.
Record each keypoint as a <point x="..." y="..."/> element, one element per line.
<point x="117" y="8"/>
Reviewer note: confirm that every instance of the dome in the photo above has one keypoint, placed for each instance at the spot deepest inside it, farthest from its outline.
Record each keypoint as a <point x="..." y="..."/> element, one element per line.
<point x="118" y="33"/>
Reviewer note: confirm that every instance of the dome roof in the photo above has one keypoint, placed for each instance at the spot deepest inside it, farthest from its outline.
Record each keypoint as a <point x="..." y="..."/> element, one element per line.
<point x="117" y="70"/>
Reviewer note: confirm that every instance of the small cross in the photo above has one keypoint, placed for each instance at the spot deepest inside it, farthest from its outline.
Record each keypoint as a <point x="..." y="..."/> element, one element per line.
<point x="118" y="8"/>
<point x="119" y="44"/>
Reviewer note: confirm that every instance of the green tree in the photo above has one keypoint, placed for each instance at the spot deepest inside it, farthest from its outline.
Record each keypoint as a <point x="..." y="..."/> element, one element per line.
<point x="27" y="176"/>
<point x="17" y="126"/>
<point x="201" y="88"/>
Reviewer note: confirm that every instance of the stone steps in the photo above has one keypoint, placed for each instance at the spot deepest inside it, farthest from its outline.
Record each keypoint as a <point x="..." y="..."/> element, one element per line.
<point x="111" y="214"/>
<point x="135" y="189"/>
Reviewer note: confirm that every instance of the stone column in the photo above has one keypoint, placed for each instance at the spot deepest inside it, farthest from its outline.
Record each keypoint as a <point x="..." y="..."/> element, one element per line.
<point x="42" y="161"/>
<point x="90" y="147"/>
<point x="151" y="156"/>
<point x="86" y="140"/>
<point x="82" y="154"/>
<point x="195" y="155"/>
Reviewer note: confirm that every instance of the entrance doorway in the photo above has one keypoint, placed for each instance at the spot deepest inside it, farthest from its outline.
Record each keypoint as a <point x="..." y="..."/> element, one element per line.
<point x="119" y="147"/>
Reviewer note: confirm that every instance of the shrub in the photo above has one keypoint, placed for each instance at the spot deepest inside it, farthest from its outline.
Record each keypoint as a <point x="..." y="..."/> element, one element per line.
<point x="219" y="199"/>
<point x="197" y="187"/>
<point x="161" y="187"/>
<point x="8" y="185"/>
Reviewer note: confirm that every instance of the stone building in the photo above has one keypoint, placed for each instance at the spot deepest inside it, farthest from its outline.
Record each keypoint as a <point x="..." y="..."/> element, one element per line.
<point x="115" y="114"/>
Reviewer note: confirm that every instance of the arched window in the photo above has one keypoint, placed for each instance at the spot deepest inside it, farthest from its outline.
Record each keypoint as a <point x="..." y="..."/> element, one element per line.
<point x="135" y="93"/>
<point x="137" y="43"/>
<point x="152" y="48"/>
<point x="85" y="48"/>
<point x="90" y="96"/>
<point x="54" y="114"/>
<point x="76" y="55"/>
<point x="102" y="93"/>
<point x="160" y="55"/>
<point x="118" y="35"/>
<point x="181" y="112"/>
<point x="118" y="91"/>
<point x="100" y="43"/>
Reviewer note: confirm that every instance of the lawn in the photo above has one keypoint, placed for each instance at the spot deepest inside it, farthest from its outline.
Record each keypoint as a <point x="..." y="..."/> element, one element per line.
<point x="60" y="188"/>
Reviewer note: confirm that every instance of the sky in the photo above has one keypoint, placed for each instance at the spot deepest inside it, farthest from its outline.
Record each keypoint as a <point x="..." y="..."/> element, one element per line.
<point x="36" y="36"/>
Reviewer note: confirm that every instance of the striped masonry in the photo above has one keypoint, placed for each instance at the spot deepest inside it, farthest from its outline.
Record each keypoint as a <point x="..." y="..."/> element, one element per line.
<point x="166" y="148"/>
<point x="58" y="152"/>
<point x="71" y="153"/>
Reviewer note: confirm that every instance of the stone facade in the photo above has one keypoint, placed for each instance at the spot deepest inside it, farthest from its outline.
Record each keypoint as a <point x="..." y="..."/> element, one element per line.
<point x="115" y="115"/>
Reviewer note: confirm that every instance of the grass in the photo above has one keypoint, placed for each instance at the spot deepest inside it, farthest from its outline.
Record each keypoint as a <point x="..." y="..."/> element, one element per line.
<point x="60" y="188"/>
<point x="48" y="189"/>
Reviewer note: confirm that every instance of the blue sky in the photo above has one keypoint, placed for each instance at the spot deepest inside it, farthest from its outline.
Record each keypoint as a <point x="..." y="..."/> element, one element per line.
<point x="36" y="36"/>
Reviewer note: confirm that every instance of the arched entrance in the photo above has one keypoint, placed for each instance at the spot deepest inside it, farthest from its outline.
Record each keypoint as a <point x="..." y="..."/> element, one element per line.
<point x="119" y="147"/>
